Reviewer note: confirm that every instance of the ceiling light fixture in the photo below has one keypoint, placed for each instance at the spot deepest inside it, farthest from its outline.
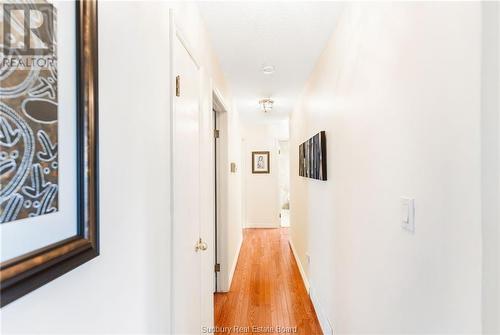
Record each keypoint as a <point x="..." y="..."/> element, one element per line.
<point x="267" y="104"/>
<point x="268" y="69"/>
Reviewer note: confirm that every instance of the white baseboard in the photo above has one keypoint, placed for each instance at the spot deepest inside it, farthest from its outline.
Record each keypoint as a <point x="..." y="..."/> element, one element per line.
<point x="263" y="225"/>
<point x="233" y="266"/>
<point x="299" y="264"/>
<point x="323" y="320"/>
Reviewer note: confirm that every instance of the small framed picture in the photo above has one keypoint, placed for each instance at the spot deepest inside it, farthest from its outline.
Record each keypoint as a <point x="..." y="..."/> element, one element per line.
<point x="260" y="162"/>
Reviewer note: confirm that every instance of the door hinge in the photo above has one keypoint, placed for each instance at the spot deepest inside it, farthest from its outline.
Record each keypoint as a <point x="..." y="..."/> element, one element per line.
<point x="216" y="133"/>
<point x="178" y="86"/>
<point x="217" y="267"/>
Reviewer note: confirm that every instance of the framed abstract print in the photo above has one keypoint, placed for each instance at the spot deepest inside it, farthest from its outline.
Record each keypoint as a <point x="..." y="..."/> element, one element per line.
<point x="312" y="157"/>
<point x="260" y="162"/>
<point x="48" y="142"/>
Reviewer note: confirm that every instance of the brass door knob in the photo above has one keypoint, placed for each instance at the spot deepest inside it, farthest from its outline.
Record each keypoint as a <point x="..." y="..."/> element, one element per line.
<point x="200" y="245"/>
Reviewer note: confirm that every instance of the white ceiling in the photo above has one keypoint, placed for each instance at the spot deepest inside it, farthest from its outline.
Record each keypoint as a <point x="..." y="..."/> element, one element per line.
<point x="288" y="35"/>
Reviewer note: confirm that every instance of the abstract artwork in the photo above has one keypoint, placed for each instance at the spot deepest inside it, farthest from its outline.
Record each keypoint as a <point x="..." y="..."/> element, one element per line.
<point x="260" y="162"/>
<point x="49" y="200"/>
<point x="312" y="157"/>
<point x="29" y="168"/>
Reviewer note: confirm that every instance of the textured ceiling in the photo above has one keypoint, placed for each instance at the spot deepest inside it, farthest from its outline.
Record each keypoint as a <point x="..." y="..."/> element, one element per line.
<point x="288" y="35"/>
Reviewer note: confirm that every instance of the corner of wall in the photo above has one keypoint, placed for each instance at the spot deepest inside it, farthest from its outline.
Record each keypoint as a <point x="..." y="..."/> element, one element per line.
<point x="323" y="320"/>
<point x="299" y="265"/>
<point x="325" y="324"/>
<point x="233" y="267"/>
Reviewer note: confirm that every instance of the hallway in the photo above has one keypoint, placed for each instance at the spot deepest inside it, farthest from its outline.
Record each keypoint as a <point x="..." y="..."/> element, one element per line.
<point x="249" y="167"/>
<point x="267" y="290"/>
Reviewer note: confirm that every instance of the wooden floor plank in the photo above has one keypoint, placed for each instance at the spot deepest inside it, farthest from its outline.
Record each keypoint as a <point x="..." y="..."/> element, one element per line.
<point x="267" y="290"/>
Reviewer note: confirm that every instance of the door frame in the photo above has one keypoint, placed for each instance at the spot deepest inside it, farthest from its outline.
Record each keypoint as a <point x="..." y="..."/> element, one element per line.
<point x="280" y="178"/>
<point x="219" y="105"/>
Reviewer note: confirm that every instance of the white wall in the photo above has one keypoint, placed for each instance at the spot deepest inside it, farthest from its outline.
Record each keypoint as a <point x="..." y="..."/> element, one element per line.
<point x="234" y="235"/>
<point x="498" y="141"/>
<point x="127" y="288"/>
<point x="490" y="166"/>
<point x="398" y="91"/>
<point x="261" y="191"/>
<point x="284" y="172"/>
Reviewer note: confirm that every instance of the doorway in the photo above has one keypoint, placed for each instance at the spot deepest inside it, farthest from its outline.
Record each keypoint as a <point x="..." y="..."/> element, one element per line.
<point x="221" y="167"/>
<point x="284" y="183"/>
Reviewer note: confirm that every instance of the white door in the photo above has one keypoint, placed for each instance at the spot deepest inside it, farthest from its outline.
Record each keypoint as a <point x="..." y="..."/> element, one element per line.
<point x="186" y="194"/>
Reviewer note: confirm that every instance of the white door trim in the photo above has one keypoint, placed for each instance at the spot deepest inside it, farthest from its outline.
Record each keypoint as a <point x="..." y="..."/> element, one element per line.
<point x="221" y="101"/>
<point x="171" y="28"/>
<point x="217" y="101"/>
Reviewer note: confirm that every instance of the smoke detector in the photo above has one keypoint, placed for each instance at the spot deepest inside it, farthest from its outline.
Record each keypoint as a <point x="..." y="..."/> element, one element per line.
<point x="268" y="69"/>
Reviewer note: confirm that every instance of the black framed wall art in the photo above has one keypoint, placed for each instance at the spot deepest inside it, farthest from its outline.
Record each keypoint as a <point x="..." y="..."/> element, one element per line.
<point x="312" y="157"/>
<point x="48" y="142"/>
<point x="260" y="162"/>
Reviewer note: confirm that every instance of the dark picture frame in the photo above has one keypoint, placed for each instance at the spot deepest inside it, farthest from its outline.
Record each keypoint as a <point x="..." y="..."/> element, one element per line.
<point x="266" y="154"/>
<point x="312" y="157"/>
<point x="23" y="274"/>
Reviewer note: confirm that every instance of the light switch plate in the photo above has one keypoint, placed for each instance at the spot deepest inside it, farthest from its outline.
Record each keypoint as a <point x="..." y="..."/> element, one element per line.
<point x="408" y="214"/>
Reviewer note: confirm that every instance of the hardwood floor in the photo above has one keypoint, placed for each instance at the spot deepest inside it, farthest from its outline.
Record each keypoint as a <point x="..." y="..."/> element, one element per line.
<point x="267" y="290"/>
